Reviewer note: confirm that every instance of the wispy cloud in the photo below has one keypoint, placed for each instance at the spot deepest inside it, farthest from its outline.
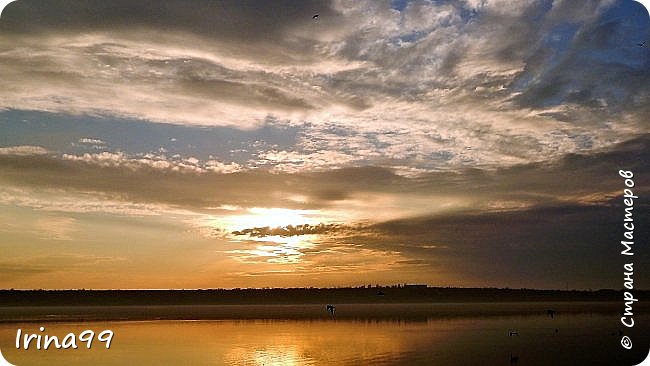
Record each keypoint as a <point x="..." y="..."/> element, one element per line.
<point x="23" y="150"/>
<point x="47" y="264"/>
<point x="430" y="86"/>
<point x="198" y="186"/>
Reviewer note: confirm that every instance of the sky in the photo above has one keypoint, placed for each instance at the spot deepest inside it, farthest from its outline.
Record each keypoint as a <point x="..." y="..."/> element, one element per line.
<point x="205" y="144"/>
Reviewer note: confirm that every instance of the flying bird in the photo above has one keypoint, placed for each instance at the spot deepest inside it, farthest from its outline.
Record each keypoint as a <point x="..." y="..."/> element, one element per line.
<point x="642" y="44"/>
<point x="315" y="16"/>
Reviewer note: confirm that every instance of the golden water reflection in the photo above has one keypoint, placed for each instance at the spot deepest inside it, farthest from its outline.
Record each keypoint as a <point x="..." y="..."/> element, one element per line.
<point x="228" y="342"/>
<point x="579" y="339"/>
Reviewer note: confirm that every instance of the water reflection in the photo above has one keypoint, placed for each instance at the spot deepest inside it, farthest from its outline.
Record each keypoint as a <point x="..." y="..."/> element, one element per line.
<point x="580" y="339"/>
<point x="270" y="356"/>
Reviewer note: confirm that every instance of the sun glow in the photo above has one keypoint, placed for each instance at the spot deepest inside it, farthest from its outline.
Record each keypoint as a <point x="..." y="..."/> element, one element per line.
<point x="271" y="217"/>
<point x="269" y="248"/>
<point x="275" y="249"/>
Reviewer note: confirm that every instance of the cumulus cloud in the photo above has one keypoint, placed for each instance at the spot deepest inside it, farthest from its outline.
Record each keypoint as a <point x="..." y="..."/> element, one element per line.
<point x="151" y="161"/>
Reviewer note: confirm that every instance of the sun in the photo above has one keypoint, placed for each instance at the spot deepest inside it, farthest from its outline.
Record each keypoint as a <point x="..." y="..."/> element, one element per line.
<point x="272" y="248"/>
<point x="272" y="217"/>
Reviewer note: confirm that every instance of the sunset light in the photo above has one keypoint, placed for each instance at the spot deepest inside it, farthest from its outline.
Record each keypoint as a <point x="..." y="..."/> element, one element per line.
<point x="325" y="182"/>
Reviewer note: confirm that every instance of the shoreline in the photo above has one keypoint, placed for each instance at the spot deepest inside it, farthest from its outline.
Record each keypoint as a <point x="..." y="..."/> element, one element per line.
<point x="279" y="296"/>
<point x="361" y="312"/>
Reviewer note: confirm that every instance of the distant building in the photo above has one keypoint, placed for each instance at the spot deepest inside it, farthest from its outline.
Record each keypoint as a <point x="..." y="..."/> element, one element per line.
<point x="406" y="285"/>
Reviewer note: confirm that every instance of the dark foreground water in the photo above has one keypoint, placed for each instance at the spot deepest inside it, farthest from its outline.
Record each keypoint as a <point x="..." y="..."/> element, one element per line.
<point x="569" y="338"/>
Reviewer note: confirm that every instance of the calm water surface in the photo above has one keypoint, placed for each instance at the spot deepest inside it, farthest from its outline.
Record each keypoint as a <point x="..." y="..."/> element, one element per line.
<point x="567" y="339"/>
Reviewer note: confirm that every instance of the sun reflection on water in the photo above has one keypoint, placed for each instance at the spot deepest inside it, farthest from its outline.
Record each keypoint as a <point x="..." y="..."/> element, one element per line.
<point x="279" y="355"/>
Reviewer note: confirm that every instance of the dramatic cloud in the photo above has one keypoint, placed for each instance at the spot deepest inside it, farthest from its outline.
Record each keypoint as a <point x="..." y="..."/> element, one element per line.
<point x="451" y="142"/>
<point x="189" y="184"/>
<point x="426" y="85"/>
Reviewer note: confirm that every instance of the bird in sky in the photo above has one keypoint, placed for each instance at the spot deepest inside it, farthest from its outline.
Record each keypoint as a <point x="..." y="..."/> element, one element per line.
<point x="642" y="44"/>
<point x="315" y="16"/>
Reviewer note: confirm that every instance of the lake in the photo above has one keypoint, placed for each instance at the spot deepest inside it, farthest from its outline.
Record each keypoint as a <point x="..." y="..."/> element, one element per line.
<point x="589" y="337"/>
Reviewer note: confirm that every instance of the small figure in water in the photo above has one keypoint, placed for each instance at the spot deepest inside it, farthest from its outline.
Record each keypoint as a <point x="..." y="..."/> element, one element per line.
<point x="330" y="309"/>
